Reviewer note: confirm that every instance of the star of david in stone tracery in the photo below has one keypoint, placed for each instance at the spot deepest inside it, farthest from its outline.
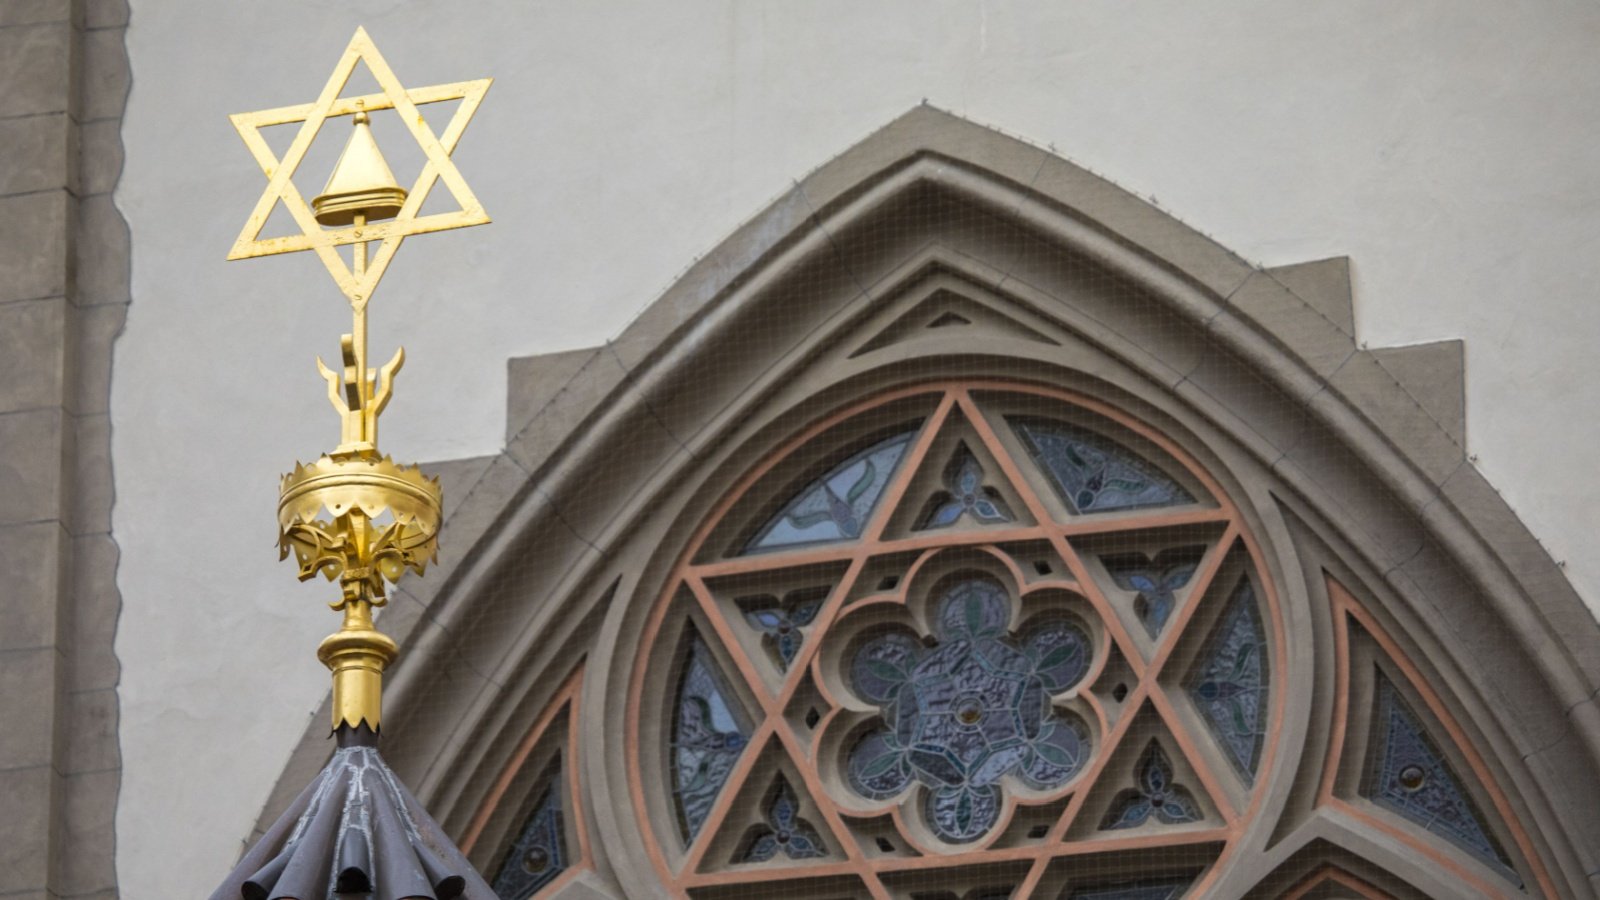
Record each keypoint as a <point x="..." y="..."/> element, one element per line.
<point x="280" y="173"/>
<point x="1143" y="696"/>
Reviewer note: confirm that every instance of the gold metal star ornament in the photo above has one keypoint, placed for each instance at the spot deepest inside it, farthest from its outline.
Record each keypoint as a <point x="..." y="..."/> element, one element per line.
<point x="355" y="515"/>
<point x="358" y="285"/>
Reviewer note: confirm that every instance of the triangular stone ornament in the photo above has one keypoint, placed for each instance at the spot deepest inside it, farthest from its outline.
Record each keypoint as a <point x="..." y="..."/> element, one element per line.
<point x="1148" y="786"/>
<point x="1149" y="575"/>
<point x="946" y="313"/>
<point x="280" y="172"/>
<point x="958" y="486"/>
<point x="772" y="820"/>
<point x="1325" y="284"/>
<point x="1411" y="776"/>
<point x="1434" y="374"/>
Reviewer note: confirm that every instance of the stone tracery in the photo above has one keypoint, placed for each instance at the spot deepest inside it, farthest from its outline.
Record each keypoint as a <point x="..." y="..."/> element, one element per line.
<point x="957" y="692"/>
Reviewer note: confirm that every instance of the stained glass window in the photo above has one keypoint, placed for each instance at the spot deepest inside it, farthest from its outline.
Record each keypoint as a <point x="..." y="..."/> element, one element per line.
<point x="1412" y="778"/>
<point x="539" y="854"/>
<point x="1144" y="889"/>
<point x="1093" y="473"/>
<point x="1230" y="683"/>
<point x="1156" y="796"/>
<point x="965" y="496"/>
<point x="836" y="506"/>
<point x="708" y="734"/>
<point x="974" y="707"/>
<point x="780" y="622"/>
<point x="785" y="831"/>
<point x="1155" y="580"/>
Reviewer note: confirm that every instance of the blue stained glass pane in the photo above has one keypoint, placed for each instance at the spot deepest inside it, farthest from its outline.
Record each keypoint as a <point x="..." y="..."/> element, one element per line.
<point x="836" y="506"/>
<point x="1230" y="685"/>
<point x="965" y="496"/>
<point x="1414" y="779"/>
<point x="1143" y="889"/>
<point x="1093" y="473"/>
<point x="539" y="855"/>
<point x="1156" y="798"/>
<point x="785" y="831"/>
<point x="782" y="623"/>
<point x="1156" y="581"/>
<point x="708" y="734"/>
<point x="960" y="715"/>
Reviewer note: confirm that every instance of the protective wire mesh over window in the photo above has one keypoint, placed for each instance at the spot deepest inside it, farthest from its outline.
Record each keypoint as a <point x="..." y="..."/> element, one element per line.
<point x="979" y="628"/>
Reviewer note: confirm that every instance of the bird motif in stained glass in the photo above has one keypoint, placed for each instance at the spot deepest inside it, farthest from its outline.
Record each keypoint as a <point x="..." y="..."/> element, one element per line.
<point x="781" y="621"/>
<point x="971" y="708"/>
<point x="785" y="832"/>
<point x="1093" y="473"/>
<point x="539" y="854"/>
<point x="1230" y="684"/>
<point x="1142" y="889"/>
<point x="1413" y="778"/>
<point x="965" y="496"/>
<point x="708" y="735"/>
<point x="836" y="506"/>
<point x="1156" y="581"/>
<point x="1156" y="796"/>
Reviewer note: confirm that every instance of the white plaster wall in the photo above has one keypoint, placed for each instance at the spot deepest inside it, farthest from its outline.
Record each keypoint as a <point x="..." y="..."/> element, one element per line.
<point x="1451" y="148"/>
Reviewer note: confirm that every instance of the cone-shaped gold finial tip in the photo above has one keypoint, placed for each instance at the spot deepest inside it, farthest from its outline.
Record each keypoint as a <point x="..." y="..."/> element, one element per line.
<point x="361" y="183"/>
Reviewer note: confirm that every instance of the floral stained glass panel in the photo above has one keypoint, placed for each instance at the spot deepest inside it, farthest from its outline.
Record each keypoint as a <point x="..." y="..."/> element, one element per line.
<point x="965" y="496"/>
<point x="960" y="715"/>
<point x="1093" y="473"/>
<point x="1230" y="685"/>
<point x="539" y="855"/>
<point x="1155" y="581"/>
<point x="785" y="831"/>
<point x="708" y="735"/>
<point x="781" y="623"/>
<point x="1156" y="797"/>
<point x="1413" y="778"/>
<point x="836" y="506"/>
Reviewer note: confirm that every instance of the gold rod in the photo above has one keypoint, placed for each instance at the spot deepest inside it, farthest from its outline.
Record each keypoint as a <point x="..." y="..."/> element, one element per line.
<point x="359" y="260"/>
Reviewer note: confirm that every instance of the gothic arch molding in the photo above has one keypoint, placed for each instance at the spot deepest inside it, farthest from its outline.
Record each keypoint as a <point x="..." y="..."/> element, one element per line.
<point x="1359" y="468"/>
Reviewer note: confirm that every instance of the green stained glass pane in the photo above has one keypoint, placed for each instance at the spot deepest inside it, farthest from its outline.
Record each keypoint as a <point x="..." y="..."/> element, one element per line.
<point x="836" y="506"/>
<point x="1230" y="686"/>
<point x="1093" y="473"/>
<point x="708" y="734"/>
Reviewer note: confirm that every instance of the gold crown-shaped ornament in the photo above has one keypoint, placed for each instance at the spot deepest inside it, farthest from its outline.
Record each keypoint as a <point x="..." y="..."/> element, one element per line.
<point x="362" y="520"/>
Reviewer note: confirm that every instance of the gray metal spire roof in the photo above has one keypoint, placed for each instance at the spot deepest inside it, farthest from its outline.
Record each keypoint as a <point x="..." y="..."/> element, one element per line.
<point x="355" y="831"/>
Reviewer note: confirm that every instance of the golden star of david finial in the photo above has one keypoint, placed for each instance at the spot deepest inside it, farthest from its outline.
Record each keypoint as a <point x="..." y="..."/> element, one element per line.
<point x="358" y="282"/>
<point x="355" y="515"/>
